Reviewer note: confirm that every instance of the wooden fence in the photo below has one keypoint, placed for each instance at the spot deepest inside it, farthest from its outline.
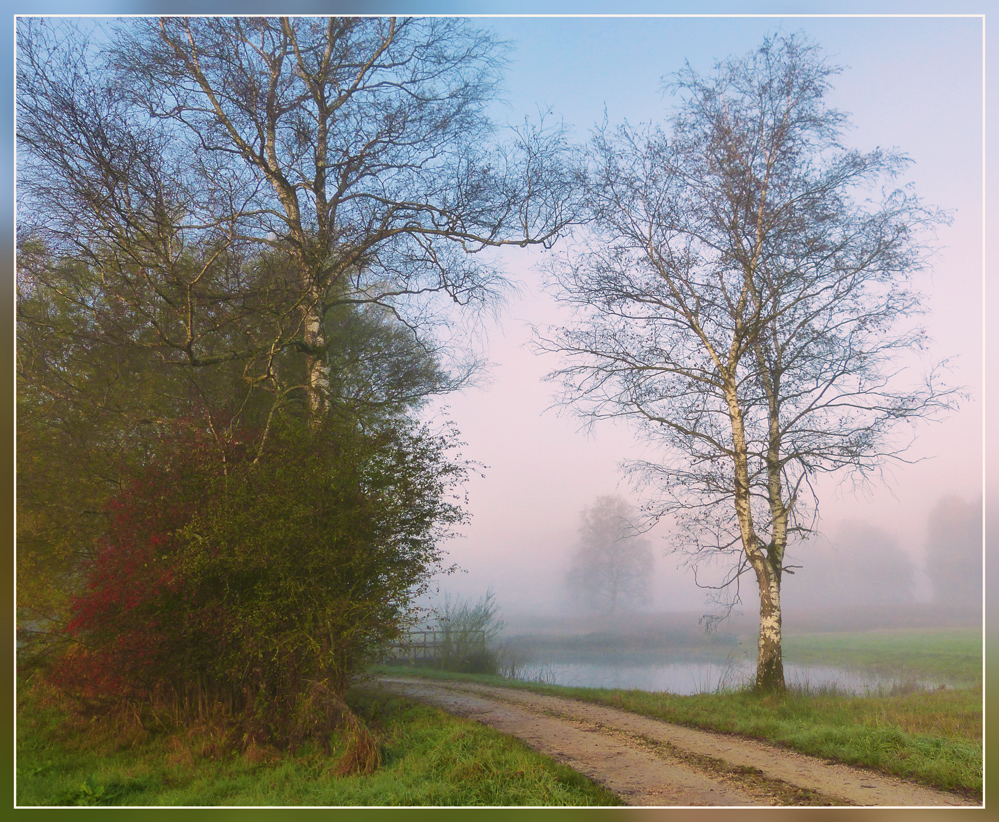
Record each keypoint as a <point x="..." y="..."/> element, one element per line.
<point x="432" y="646"/>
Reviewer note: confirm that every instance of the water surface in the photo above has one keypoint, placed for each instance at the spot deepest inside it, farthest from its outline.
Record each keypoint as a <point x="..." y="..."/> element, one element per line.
<point x="701" y="676"/>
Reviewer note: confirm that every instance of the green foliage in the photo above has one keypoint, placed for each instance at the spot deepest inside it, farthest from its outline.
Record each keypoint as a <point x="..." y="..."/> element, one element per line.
<point x="377" y="367"/>
<point x="314" y="555"/>
<point x="193" y="530"/>
<point x="468" y="631"/>
<point x="264" y="585"/>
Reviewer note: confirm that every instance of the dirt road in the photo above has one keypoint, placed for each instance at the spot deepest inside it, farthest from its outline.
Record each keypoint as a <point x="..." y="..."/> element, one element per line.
<point x="648" y="762"/>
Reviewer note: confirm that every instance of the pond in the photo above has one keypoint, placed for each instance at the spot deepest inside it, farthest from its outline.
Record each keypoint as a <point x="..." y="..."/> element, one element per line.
<point x="702" y="676"/>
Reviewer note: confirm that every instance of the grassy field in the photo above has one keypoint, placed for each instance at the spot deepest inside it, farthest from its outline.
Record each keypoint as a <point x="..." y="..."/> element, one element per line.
<point x="930" y="736"/>
<point x="427" y="758"/>
<point x="431" y="758"/>
<point x="947" y="655"/>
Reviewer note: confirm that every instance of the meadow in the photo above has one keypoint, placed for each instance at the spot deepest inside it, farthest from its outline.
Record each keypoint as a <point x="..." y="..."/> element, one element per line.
<point x="427" y="757"/>
<point x="431" y="758"/>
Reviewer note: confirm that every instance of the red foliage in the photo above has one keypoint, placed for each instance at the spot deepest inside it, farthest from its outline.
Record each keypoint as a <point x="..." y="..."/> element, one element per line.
<point x="136" y="624"/>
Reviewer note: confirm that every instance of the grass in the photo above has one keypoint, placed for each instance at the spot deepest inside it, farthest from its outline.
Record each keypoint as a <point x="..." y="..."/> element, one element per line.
<point x="947" y="655"/>
<point x="428" y="758"/>
<point x="930" y="736"/>
<point x="431" y="758"/>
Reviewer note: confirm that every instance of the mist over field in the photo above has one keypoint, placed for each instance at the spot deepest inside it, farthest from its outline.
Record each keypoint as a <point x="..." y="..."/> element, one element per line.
<point x="910" y="537"/>
<point x="860" y="576"/>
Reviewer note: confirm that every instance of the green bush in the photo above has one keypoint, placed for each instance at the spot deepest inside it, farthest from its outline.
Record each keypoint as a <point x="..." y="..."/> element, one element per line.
<point x="277" y="581"/>
<point x="468" y="629"/>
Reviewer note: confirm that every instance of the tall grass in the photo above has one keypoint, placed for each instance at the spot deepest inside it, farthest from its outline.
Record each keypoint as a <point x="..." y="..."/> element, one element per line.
<point x="427" y="758"/>
<point x="468" y="632"/>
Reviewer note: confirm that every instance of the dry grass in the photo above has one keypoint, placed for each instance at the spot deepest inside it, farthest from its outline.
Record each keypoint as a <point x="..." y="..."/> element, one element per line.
<point x="361" y="755"/>
<point x="948" y="714"/>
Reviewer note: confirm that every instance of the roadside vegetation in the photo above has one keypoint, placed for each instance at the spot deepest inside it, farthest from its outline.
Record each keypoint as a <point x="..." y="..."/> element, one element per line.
<point x="934" y="737"/>
<point x="427" y="757"/>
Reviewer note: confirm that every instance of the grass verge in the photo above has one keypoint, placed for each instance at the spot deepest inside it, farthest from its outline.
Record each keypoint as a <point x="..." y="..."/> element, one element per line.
<point x="946" y="655"/>
<point x="428" y="758"/>
<point x="931" y="737"/>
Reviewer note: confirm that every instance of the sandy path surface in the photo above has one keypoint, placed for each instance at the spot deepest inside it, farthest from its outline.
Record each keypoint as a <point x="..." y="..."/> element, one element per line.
<point x="648" y="762"/>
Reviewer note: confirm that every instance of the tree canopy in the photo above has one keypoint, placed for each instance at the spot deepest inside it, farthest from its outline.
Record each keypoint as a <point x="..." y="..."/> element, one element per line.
<point x="742" y="297"/>
<point x="238" y="241"/>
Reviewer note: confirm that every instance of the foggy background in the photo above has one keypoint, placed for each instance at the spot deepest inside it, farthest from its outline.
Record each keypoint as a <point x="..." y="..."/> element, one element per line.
<point x="912" y="83"/>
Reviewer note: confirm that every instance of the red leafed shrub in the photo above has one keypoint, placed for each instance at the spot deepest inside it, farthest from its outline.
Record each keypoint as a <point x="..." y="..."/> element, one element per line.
<point x="135" y="624"/>
<point x="264" y="585"/>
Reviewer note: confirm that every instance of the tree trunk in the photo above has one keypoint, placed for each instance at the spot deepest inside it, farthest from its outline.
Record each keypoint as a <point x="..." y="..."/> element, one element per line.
<point x="317" y="379"/>
<point x="769" y="660"/>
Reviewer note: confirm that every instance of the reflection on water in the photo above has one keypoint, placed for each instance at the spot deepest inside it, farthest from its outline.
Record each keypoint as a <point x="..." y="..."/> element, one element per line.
<point x="691" y="677"/>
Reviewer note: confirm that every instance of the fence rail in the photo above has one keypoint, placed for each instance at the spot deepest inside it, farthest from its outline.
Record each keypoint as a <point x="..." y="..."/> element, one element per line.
<point x="432" y="646"/>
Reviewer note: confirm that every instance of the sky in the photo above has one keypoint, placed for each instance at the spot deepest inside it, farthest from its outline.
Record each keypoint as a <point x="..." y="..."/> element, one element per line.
<point x="910" y="82"/>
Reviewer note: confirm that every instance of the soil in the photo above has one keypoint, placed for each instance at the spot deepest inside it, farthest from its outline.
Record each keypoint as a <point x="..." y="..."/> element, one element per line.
<point x="648" y="762"/>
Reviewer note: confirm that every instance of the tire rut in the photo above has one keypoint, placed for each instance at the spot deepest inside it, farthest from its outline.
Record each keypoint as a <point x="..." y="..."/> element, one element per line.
<point x="646" y="761"/>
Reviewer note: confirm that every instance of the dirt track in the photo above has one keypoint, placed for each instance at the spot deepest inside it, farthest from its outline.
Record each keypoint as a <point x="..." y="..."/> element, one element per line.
<point x="648" y="762"/>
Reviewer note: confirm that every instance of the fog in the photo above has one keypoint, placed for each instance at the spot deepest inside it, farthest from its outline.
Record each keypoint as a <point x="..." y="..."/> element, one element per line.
<point x="914" y="83"/>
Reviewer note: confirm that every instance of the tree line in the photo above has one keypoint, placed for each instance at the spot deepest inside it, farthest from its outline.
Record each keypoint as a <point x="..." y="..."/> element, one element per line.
<point x="240" y="244"/>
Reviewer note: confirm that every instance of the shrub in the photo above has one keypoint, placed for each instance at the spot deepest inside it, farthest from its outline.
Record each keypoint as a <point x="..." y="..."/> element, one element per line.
<point x="261" y="586"/>
<point x="468" y="630"/>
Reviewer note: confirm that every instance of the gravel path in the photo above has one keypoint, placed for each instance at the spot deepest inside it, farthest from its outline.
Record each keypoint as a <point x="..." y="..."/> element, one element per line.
<point x="648" y="762"/>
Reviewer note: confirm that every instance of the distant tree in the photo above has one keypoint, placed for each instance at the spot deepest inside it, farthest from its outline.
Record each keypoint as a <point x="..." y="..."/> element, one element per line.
<point x="742" y="298"/>
<point x="613" y="562"/>
<point x="954" y="552"/>
<point x="858" y="564"/>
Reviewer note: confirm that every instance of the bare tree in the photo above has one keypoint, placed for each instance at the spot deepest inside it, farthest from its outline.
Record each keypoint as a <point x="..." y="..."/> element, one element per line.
<point x="612" y="562"/>
<point x="263" y="217"/>
<point x="235" y="180"/>
<point x="744" y="304"/>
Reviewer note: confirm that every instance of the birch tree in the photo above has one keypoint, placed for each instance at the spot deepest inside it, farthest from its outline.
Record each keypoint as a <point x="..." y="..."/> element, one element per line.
<point x="743" y="298"/>
<point x="224" y="220"/>
<point x="235" y="180"/>
<point x="250" y="235"/>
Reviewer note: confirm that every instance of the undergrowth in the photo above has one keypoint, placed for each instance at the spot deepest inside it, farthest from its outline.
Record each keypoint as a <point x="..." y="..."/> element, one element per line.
<point x="427" y="757"/>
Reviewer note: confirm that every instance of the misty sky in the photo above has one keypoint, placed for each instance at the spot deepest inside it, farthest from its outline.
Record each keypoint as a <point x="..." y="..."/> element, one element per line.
<point x="910" y="83"/>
